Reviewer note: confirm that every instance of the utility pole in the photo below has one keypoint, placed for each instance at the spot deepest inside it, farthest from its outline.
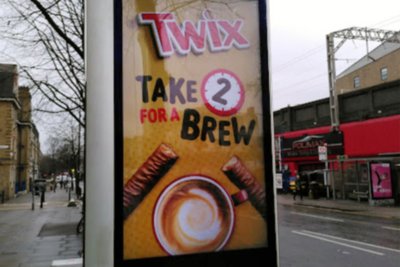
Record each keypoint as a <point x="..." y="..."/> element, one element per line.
<point x="333" y="99"/>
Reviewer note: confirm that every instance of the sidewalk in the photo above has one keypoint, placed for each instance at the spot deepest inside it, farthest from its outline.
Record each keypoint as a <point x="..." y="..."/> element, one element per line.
<point x="35" y="238"/>
<point x="345" y="206"/>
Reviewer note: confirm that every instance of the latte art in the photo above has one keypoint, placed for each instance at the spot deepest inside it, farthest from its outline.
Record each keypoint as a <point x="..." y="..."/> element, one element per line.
<point x="194" y="216"/>
<point x="196" y="220"/>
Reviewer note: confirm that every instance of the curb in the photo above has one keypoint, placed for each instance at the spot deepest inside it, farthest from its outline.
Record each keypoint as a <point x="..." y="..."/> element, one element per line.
<point x="330" y="208"/>
<point x="68" y="263"/>
<point x="346" y="211"/>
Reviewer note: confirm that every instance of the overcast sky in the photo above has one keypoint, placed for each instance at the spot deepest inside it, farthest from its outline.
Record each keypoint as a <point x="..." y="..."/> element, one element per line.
<point x="298" y="30"/>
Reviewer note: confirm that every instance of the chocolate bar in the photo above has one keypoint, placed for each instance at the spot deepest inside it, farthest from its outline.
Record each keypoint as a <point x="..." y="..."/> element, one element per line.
<point x="144" y="179"/>
<point x="237" y="172"/>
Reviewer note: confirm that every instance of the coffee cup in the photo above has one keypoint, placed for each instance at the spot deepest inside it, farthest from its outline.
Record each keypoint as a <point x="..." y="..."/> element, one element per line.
<point x="195" y="214"/>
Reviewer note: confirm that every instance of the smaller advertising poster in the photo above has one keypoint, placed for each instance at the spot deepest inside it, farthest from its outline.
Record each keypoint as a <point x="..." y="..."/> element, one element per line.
<point x="278" y="181"/>
<point x="381" y="180"/>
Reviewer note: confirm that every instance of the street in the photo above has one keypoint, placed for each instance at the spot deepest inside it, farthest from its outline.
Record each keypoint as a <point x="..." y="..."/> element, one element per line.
<point x="312" y="233"/>
<point x="321" y="237"/>
<point x="36" y="238"/>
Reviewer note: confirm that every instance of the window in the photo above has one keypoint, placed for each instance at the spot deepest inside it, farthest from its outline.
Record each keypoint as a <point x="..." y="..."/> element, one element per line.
<point x="384" y="74"/>
<point x="356" y="82"/>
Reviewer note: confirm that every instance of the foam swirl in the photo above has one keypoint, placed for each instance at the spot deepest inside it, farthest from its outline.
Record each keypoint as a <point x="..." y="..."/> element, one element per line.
<point x="195" y="218"/>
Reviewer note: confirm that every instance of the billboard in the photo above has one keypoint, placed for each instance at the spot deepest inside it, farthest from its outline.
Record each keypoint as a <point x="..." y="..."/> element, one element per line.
<point x="194" y="175"/>
<point x="381" y="180"/>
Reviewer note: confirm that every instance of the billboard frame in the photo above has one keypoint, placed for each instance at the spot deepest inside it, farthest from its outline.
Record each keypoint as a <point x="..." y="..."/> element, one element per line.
<point x="259" y="256"/>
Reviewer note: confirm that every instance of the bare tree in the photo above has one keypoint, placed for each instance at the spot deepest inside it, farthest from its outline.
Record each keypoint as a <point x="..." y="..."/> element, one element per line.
<point x="65" y="152"/>
<point x="46" y="39"/>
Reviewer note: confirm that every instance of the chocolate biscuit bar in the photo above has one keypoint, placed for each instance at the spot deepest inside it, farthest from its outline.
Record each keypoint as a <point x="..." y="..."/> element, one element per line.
<point x="144" y="179"/>
<point x="237" y="172"/>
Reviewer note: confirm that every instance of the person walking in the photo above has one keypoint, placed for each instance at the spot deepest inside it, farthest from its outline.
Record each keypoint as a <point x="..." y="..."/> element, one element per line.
<point x="62" y="181"/>
<point x="297" y="190"/>
<point x="285" y="181"/>
<point x="54" y="182"/>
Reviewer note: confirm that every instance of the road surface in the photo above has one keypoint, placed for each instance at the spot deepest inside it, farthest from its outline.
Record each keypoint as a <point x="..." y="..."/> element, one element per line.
<point x="314" y="237"/>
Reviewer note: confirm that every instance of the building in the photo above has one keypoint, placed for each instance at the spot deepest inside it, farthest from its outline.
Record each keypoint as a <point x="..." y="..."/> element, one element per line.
<point x="380" y="66"/>
<point x="368" y="136"/>
<point x="19" y="138"/>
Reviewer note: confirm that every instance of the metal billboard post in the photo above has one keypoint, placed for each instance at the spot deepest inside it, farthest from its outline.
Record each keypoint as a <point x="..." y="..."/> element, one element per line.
<point x="99" y="193"/>
<point x="326" y="177"/>
<point x="323" y="156"/>
<point x="333" y="189"/>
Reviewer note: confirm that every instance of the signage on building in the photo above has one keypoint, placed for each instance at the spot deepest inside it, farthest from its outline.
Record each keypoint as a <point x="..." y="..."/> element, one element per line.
<point x="381" y="180"/>
<point x="194" y="168"/>
<point x="307" y="145"/>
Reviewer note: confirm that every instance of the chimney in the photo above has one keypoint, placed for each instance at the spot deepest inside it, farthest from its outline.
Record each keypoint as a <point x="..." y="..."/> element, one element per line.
<point x="24" y="97"/>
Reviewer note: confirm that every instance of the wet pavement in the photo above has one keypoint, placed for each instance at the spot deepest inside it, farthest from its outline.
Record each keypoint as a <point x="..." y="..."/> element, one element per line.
<point x="39" y="237"/>
<point x="330" y="233"/>
<point x="47" y="236"/>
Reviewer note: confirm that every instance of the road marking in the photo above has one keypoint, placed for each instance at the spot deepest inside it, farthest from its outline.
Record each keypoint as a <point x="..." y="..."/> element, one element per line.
<point x="353" y="241"/>
<point x="391" y="228"/>
<point x="318" y="217"/>
<point x="338" y="243"/>
<point x="67" y="262"/>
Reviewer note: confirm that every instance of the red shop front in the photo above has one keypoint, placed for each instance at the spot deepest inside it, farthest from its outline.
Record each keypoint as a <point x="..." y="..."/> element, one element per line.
<point x="368" y="140"/>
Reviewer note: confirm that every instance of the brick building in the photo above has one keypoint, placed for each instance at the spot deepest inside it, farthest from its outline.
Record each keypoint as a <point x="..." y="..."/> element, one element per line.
<point x="19" y="138"/>
<point x="380" y="66"/>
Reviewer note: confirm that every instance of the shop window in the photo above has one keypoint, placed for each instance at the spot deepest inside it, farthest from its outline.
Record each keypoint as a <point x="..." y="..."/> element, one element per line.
<point x="384" y="74"/>
<point x="356" y="82"/>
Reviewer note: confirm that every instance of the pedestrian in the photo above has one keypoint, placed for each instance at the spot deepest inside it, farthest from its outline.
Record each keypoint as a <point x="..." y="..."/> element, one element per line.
<point x="297" y="187"/>
<point x="67" y="184"/>
<point x="42" y="188"/>
<point x="285" y="181"/>
<point x="61" y="181"/>
<point x="54" y="181"/>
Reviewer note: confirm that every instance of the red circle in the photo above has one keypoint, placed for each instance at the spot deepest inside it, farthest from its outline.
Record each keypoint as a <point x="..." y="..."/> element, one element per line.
<point x="231" y="111"/>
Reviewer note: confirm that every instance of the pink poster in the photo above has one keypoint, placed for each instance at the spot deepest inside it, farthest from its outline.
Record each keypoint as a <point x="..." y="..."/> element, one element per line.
<point x="381" y="180"/>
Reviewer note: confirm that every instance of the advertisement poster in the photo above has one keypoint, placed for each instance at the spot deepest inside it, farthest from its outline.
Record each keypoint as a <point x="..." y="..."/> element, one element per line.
<point x="194" y="172"/>
<point x="278" y="181"/>
<point x="381" y="180"/>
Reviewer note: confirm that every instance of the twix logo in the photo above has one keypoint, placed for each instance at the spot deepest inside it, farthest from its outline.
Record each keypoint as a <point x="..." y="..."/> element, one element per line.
<point x="170" y="37"/>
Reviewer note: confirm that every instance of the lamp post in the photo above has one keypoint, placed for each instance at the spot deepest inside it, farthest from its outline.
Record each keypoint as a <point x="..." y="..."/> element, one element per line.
<point x="34" y="172"/>
<point x="33" y="193"/>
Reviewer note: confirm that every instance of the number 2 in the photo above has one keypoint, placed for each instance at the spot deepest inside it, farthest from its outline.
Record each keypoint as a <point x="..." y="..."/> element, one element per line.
<point x="218" y="96"/>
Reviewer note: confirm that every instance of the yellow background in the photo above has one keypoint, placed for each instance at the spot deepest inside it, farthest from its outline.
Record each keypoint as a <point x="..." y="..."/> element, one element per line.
<point x="195" y="157"/>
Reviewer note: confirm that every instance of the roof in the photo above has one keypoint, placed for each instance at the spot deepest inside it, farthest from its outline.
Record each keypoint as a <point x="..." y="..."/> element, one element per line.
<point x="379" y="52"/>
<point x="8" y="73"/>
